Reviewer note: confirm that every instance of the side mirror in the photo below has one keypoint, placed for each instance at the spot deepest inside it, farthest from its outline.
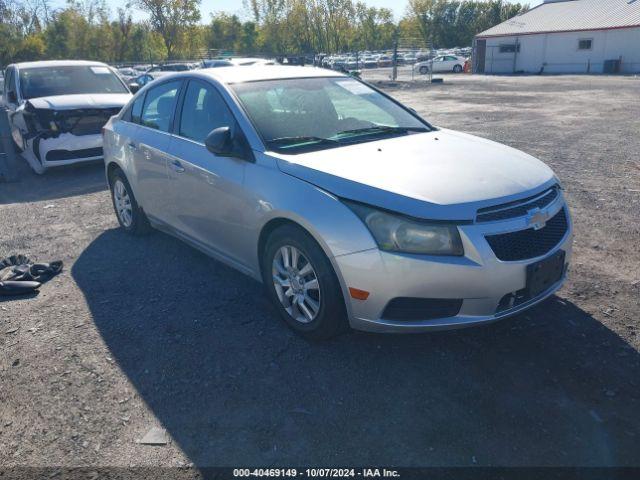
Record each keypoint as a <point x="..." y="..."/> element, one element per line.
<point x="12" y="97"/>
<point x="225" y="143"/>
<point x="134" y="87"/>
<point x="219" y="141"/>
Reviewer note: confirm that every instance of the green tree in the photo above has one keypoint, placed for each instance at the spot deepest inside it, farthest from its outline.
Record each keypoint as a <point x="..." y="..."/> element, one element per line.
<point x="32" y="47"/>
<point x="171" y="19"/>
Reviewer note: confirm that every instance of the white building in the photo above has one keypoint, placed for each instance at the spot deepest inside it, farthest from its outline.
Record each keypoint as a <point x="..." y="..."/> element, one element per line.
<point x="564" y="36"/>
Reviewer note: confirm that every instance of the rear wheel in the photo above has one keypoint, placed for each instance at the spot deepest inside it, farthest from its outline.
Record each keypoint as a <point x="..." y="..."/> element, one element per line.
<point x="130" y="216"/>
<point x="302" y="284"/>
<point x="457" y="68"/>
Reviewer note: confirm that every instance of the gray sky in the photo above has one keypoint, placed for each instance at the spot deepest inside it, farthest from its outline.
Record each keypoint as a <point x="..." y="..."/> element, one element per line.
<point x="235" y="6"/>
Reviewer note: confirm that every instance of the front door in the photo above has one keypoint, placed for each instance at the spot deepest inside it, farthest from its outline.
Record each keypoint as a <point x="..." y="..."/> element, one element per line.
<point x="208" y="196"/>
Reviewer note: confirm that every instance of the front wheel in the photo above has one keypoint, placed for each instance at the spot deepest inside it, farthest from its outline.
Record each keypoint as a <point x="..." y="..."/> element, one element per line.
<point x="302" y="284"/>
<point x="423" y="70"/>
<point x="457" y="68"/>
<point x="130" y="216"/>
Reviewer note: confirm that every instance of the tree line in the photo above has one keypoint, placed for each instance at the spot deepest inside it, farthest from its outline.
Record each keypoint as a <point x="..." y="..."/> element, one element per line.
<point x="175" y="29"/>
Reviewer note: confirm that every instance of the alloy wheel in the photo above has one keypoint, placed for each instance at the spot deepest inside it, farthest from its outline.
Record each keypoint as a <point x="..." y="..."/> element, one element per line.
<point x="296" y="284"/>
<point x="122" y="202"/>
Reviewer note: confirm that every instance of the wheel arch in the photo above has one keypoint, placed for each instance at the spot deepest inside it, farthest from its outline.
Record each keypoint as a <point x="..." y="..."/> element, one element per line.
<point x="111" y="168"/>
<point x="279" y="221"/>
<point x="276" y="222"/>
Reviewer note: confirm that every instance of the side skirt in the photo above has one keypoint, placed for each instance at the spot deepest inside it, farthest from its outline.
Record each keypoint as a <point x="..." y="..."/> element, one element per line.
<point x="207" y="250"/>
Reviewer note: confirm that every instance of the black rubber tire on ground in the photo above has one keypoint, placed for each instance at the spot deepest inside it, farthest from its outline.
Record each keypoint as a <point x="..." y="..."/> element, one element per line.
<point x="140" y="223"/>
<point x="423" y="70"/>
<point x="457" y="68"/>
<point x="331" y="319"/>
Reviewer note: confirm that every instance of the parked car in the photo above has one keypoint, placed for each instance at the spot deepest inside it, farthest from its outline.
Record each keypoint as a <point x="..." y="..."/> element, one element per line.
<point x="127" y="73"/>
<point x="171" y="67"/>
<point x="215" y="63"/>
<point x="369" y="61"/>
<point x="349" y="207"/>
<point x="141" y="80"/>
<point x="57" y="109"/>
<point x="385" y="61"/>
<point x="245" y="62"/>
<point x="442" y="63"/>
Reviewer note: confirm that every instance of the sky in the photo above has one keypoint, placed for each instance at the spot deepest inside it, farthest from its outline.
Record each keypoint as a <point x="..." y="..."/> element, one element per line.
<point x="235" y="6"/>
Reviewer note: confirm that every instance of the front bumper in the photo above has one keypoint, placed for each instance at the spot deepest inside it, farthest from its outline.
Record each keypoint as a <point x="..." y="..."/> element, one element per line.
<point x="66" y="149"/>
<point x="479" y="278"/>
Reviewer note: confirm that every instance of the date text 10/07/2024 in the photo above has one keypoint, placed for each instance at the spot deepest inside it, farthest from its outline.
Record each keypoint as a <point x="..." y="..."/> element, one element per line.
<point x="317" y="472"/>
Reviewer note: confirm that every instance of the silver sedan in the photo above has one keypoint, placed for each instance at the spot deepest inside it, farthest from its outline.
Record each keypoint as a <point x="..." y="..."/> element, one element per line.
<point x="348" y="206"/>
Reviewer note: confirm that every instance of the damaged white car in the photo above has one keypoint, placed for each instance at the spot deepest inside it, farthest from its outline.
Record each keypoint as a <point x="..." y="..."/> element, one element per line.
<point x="57" y="109"/>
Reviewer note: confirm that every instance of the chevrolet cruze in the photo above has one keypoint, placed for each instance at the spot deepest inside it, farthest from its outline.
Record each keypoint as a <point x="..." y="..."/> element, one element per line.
<point x="348" y="206"/>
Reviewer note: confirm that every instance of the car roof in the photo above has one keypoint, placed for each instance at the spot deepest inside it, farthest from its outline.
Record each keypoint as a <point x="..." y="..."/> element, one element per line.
<point x="59" y="63"/>
<point x="253" y="73"/>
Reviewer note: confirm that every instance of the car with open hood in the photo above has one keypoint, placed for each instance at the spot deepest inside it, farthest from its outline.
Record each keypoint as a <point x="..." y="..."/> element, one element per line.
<point x="58" y="108"/>
<point x="351" y="208"/>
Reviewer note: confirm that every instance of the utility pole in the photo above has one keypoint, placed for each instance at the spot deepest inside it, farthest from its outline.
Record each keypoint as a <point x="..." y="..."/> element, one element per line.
<point x="394" y="75"/>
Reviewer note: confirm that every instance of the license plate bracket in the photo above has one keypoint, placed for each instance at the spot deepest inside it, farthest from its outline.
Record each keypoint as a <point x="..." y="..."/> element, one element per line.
<point x="543" y="274"/>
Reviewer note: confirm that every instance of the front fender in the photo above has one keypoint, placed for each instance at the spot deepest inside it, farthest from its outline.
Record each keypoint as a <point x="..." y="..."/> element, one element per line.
<point x="278" y="195"/>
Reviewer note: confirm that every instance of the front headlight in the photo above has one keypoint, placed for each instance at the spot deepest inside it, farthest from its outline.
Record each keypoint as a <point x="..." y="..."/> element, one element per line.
<point x="395" y="233"/>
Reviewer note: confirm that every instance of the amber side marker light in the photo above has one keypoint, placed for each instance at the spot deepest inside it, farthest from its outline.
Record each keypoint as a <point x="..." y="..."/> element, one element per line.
<point x="358" y="294"/>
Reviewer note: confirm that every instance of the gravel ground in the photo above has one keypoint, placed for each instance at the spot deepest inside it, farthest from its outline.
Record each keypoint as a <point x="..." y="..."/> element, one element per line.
<point x="145" y="332"/>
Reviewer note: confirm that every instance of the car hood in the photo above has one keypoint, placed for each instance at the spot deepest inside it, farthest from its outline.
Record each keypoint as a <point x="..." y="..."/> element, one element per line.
<point x="418" y="174"/>
<point x="75" y="102"/>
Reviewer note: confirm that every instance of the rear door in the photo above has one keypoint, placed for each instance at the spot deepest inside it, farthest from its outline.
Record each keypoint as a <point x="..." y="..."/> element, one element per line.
<point x="438" y="64"/>
<point x="450" y="62"/>
<point x="125" y="132"/>
<point x="207" y="190"/>
<point x="150" y="146"/>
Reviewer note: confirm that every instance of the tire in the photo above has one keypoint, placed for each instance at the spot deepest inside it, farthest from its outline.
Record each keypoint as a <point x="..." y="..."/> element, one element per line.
<point x="457" y="68"/>
<point x="329" y="318"/>
<point x="136" y="223"/>
<point x="423" y="70"/>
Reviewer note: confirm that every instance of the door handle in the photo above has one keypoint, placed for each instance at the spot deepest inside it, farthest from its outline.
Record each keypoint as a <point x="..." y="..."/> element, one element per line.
<point x="132" y="146"/>
<point x="177" y="166"/>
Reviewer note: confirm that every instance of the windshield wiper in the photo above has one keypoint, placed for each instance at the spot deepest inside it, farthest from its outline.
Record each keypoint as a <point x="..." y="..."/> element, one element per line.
<point x="382" y="129"/>
<point x="297" y="141"/>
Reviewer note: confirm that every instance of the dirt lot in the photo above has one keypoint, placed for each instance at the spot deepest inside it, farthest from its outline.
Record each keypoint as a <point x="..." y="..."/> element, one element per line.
<point x="143" y="332"/>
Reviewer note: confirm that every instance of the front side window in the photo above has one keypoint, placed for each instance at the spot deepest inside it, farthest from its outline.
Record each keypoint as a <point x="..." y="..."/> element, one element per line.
<point x="203" y="110"/>
<point x="159" y="105"/>
<point x="69" y="80"/>
<point x="303" y="114"/>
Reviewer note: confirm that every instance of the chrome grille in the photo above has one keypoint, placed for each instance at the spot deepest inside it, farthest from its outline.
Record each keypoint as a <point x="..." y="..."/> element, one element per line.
<point x="518" y="208"/>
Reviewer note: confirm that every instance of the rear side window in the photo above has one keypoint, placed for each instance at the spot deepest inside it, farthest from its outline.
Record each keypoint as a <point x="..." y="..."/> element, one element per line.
<point x="159" y="105"/>
<point x="133" y="111"/>
<point x="203" y="111"/>
<point x="136" y="109"/>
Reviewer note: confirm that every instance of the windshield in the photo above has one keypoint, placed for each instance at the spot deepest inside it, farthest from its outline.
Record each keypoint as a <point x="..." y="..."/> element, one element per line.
<point x="304" y="114"/>
<point x="69" y="80"/>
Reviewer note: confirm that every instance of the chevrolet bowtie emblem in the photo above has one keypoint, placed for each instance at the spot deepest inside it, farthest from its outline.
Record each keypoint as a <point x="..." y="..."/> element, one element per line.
<point x="537" y="218"/>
